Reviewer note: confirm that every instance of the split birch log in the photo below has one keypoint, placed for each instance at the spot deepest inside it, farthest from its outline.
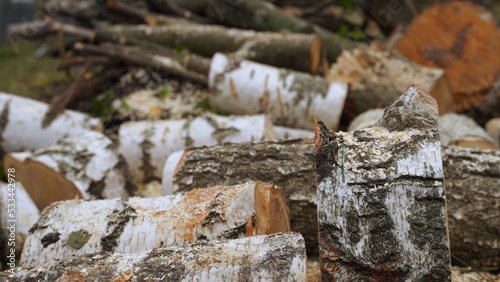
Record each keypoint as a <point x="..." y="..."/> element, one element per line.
<point x="287" y="163"/>
<point x="277" y="257"/>
<point x="146" y="145"/>
<point x="377" y="77"/>
<point x="282" y="132"/>
<point x="84" y="167"/>
<point x="25" y="215"/>
<point x="289" y="98"/>
<point x="27" y="124"/>
<point x="131" y="225"/>
<point x="492" y="127"/>
<point x="463" y="131"/>
<point x="473" y="201"/>
<point x="381" y="199"/>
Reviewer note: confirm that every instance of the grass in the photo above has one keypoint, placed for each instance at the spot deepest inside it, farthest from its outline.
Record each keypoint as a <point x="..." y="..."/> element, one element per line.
<point x="23" y="74"/>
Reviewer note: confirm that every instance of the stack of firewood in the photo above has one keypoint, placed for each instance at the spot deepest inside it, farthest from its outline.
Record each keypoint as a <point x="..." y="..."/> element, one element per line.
<point x="247" y="194"/>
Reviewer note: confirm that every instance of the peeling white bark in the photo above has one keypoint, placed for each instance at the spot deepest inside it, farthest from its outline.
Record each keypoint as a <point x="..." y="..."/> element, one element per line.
<point x="146" y="145"/>
<point x="26" y="125"/>
<point x="131" y="225"/>
<point x="289" y="98"/>
<point x="276" y="257"/>
<point x="84" y="166"/>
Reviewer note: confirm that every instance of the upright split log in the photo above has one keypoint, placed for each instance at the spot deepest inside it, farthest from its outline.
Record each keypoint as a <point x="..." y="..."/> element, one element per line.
<point x="146" y="145"/>
<point x="473" y="199"/>
<point x="131" y="225"/>
<point x="85" y="166"/>
<point x="289" y="98"/>
<point x="277" y="257"/>
<point x="287" y="163"/>
<point x="27" y="124"/>
<point x="381" y="200"/>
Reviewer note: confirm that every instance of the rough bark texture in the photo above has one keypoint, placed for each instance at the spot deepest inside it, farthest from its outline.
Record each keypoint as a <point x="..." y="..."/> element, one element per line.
<point x="377" y="77"/>
<point x="460" y="130"/>
<point x="381" y="200"/>
<point x="289" y="98"/>
<point x="146" y="145"/>
<point x="287" y="163"/>
<point x="75" y="228"/>
<point x="27" y="124"/>
<point x="84" y="167"/>
<point x="473" y="199"/>
<point x="276" y="257"/>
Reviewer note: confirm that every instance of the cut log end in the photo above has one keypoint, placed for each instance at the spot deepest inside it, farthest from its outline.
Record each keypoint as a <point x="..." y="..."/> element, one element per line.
<point x="271" y="211"/>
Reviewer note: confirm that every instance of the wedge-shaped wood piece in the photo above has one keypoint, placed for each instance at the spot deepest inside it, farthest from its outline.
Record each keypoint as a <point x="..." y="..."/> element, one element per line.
<point x="381" y="200"/>
<point x="132" y="225"/>
<point x="276" y="257"/>
<point x="26" y="124"/>
<point x="84" y="166"/>
<point x="146" y="145"/>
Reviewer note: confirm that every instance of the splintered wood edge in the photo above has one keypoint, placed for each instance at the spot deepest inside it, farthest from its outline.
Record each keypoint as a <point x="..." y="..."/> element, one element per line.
<point x="44" y="185"/>
<point x="441" y="91"/>
<point x="315" y="54"/>
<point x="271" y="211"/>
<point x="268" y="129"/>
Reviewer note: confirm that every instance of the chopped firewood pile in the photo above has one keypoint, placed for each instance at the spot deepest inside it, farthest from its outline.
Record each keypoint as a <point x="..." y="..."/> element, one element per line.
<point x="256" y="140"/>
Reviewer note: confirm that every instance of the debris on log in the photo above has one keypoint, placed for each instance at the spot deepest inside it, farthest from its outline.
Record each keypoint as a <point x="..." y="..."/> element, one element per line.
<point x="377" y="77"/>
<point x="84" y="167"/>
<point x="27" y="124"/>
<point x="282" y="132"/>
<point x="131" y="225"/>
<point x="381" y="199"/>
<point x="473" y="201"/>
<point x="465" y="45"/>
<point x="286" y="163"/>
<point x="146" y="145"/>
<point x="276" y="257"/>
<point x="462" y="131"/>
<point x="492" y="127"/>
<point x="25" y="215"/>
<point x="289" y="98"/>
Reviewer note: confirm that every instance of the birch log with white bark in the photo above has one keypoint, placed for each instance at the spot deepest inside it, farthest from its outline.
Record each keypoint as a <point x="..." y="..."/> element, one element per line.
<point x="131" y="225"/>
<point x="276" y="257"/>
<point x="290" y="98"/>
<point x="24" y="216"/>
<point x="84" y="166"/>
<point x="286" y="163"/>
<point x="146" y="145"/>
<point x="463" y="131"/>
<point x="26" y="124"/>
<point x="473" y="201"/>
<point x="381" y="200"/>
<point x="282" y="132"/>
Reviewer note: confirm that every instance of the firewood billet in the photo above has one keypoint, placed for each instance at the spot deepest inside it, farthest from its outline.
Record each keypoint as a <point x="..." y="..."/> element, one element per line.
<point x="146" y="145"/>
<point x="26" y="124"/>
<point x="290" y="98"/>
<point x="131" y="225"/>
<point x="84" y="166"/>
<point x="381" y="199"/>
<point x="25" y="215"/>
<point x="273" y="48"/>
<point x="377" y="77"/>
<point x="463" y="131"/>
<point x="473" y="200"/>
<point x="286" y="163"/>
<point x="492" y="127"/>
<point x="37" y="29"/>
<point x="276" y="257"/>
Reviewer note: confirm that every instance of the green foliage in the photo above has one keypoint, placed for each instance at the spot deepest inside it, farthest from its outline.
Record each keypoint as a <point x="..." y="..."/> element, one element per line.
<point x="348" y="5"/>
<point x="202" y="105"/>
<point x="356" y="34"/>
<point x="162" y="93"/>
<point x="101" y="105"/>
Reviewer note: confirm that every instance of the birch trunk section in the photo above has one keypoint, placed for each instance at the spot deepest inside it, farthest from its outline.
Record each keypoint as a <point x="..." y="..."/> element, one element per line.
<point x="84" y="167"/>
<point x="381" y="200"/>
<point x="146" y="145"/>
<point x="290" y="98"/>
<point x="26" y="124"/>
<point x="276" y="257"/>
<point x="463" y="131"/>
<point x="286" y="163"/>
<point x="132" y="225"/>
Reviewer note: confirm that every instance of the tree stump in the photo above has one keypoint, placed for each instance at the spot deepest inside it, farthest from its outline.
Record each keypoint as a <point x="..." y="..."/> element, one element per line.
<point x="381" y="200"/>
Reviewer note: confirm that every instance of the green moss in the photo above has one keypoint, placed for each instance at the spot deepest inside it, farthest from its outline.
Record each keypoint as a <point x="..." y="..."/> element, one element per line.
<point x="78" y="239"/>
